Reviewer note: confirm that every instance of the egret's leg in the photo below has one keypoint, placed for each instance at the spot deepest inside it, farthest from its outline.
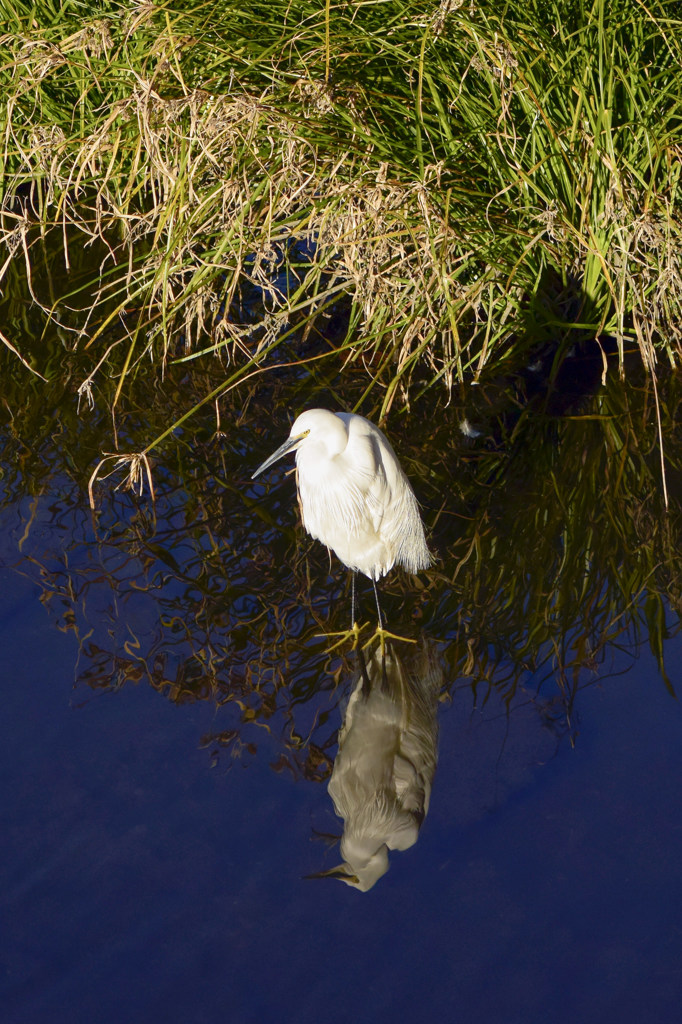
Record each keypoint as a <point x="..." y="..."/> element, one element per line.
<point x="376" y="598"/>
<point x="380" y="632"/>
<point x="354" y="631"/>
<point x="354" y="628"/>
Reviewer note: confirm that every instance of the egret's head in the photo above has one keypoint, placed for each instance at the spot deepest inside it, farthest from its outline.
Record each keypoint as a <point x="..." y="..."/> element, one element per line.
<point x="318" y="426"/>
<point x="320" y="429"/>
<point x="360" y="876"/>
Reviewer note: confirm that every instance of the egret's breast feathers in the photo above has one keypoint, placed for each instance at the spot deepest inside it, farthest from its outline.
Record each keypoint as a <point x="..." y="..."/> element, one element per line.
<point x="344" y="496"/>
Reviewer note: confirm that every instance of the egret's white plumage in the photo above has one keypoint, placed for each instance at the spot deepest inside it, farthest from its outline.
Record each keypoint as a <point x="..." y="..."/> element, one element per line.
<point x="353" y="494"/>
<point x="381" y="782"/>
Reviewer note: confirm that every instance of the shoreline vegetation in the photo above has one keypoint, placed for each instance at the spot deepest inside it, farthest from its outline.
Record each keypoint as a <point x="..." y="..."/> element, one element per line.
<point x="461" y="185"/>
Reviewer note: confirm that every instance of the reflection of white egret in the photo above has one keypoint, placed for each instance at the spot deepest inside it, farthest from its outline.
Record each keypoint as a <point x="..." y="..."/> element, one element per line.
<point x="381" y="782"/>
<point x="353" y="494"/>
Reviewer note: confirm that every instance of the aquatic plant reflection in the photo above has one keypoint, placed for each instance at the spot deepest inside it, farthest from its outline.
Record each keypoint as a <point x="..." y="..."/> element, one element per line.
<point x="553" y="548"/>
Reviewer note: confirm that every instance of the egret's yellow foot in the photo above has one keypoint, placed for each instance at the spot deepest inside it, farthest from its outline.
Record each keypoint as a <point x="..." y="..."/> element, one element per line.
<point x="383" y="635"/>
<point x="344" y="636"/>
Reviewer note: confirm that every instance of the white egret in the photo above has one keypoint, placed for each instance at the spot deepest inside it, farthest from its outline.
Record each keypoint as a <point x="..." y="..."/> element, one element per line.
<point x="384" y="768"/>
<point x="353" y="494"/>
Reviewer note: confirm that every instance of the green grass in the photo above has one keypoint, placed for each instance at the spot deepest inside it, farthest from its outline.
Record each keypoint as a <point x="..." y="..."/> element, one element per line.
<point x="464" y="181"/>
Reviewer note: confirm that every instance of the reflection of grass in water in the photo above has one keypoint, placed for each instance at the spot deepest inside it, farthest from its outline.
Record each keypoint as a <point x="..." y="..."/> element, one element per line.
<point x="569" y="550"/>
<point x="554" y="549"/>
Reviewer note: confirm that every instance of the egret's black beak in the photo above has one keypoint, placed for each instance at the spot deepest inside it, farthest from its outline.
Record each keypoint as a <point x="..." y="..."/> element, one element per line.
<point x="290" y="445"/>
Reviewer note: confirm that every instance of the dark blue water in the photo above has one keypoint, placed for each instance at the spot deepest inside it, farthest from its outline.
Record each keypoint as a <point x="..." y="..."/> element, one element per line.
<point x="144" y="880"/>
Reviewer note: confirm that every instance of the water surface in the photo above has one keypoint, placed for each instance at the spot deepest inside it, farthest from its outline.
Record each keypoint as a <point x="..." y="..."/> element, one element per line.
<point x="170" y="725"/>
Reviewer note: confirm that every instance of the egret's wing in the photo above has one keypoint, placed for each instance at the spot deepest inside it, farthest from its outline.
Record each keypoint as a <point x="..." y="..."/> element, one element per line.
<point x="401" y="526"/>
